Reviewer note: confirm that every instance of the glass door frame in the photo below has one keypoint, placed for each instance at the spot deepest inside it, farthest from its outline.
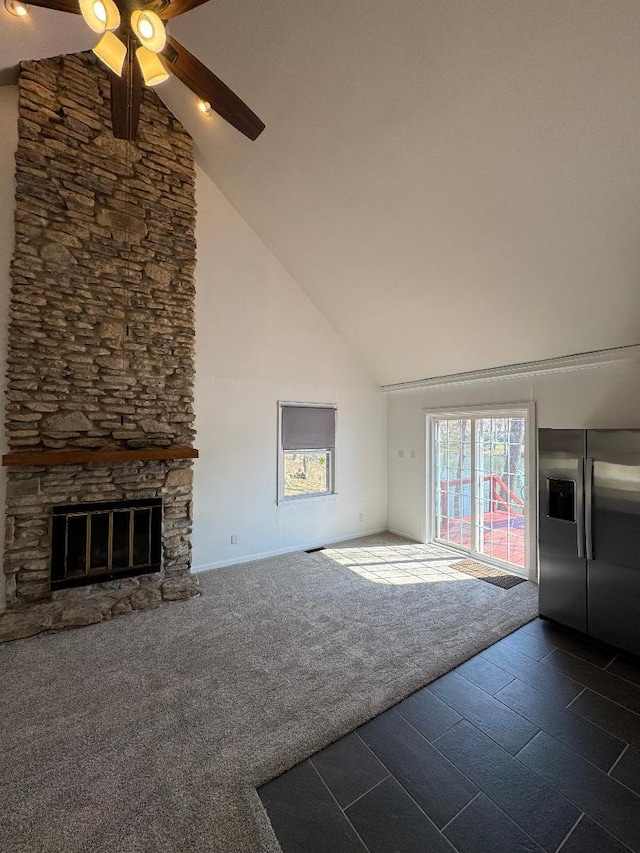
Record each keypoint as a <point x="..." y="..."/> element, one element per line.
<point x="502" y="410"/>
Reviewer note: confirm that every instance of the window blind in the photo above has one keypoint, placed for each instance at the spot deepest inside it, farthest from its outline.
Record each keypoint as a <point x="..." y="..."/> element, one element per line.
<point x="308" y="428"/>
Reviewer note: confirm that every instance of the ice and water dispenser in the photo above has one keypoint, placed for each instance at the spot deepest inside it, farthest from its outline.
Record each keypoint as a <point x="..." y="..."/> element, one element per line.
<point x="561" y="499"/>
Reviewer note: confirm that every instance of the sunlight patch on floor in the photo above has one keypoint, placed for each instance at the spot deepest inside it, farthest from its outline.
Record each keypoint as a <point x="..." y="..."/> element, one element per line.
<point x="406" y="564"/>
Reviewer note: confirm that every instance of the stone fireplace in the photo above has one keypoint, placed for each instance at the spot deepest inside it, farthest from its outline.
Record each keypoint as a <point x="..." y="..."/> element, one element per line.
<point x="100" y="362"/>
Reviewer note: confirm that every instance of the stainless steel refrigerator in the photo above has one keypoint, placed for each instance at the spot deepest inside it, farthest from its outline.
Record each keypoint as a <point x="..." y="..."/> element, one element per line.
<point x="589" y="532"/>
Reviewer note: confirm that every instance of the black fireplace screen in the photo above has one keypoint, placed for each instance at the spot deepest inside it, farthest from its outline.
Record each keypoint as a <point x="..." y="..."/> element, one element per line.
<point x="94" y="542"/>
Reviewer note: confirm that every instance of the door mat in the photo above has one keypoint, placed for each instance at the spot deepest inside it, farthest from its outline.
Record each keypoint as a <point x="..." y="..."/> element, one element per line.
<point x="487" y="573"/>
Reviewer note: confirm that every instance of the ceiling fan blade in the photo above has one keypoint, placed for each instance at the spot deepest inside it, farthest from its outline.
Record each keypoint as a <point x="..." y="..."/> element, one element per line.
<point x="179" y="7"/>
<point x="126" y="94"/>
<point x="207" y="86"/>
<point x="71" y="6"/>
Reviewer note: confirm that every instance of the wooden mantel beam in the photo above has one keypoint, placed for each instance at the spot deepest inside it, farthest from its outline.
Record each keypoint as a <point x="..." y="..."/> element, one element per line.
<point x="49" y="458"/>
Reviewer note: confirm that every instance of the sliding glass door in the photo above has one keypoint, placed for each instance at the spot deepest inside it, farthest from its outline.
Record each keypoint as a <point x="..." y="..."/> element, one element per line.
<point x="479" y="486"/>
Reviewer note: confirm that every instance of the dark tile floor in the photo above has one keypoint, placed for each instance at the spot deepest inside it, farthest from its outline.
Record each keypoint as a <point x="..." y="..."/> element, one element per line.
<point x="533" y="745"/>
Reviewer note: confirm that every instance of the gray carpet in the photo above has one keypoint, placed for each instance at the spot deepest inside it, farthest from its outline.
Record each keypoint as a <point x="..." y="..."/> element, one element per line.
<point x="149" y="733"/>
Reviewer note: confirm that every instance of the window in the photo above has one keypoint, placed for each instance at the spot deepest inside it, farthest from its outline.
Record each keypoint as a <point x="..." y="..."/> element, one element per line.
<point x="307" y="450"/>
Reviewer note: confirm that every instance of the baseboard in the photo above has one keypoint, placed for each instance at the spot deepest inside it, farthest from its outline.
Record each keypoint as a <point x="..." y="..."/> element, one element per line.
<point x="220" y="564"/>
<point x="402" y="533"/>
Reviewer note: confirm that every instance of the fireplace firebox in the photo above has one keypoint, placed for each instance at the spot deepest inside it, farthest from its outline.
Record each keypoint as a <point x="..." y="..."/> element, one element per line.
<point x="94" y="542"/>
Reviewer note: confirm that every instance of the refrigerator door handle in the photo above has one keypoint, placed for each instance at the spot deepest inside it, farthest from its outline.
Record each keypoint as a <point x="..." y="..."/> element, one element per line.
<point x="580" y="512"/>
<point x="588" y="506"/>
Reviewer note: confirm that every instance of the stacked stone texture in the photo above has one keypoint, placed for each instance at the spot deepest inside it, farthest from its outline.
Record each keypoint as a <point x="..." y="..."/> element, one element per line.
<point x="101" y="326"/>
<point x="102" y="314"/>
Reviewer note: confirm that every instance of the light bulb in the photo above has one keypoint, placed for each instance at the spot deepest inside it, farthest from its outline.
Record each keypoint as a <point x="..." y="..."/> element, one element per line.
<point x="100" y="15"/>
<point x="149" y="29"/>
<point x="99" y="11"/>
<point x="146" y="28"/>
<point x="205" y="107"/>
<point x="18" y="10"/>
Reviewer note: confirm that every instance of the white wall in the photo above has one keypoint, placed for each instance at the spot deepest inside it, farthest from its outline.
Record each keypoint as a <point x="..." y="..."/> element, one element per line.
<point x="601" y="397"/>
<point x="259" y="340"/>
<point x="8" y="144"/>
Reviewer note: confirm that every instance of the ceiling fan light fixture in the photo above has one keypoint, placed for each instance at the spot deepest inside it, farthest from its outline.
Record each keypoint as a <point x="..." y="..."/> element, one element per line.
<point x="100" y="15"/>
<point x="149" y="29"/>
<point x="153" y="71"/>
<point x="13" y="7"/>
<point x="112" y="52"/>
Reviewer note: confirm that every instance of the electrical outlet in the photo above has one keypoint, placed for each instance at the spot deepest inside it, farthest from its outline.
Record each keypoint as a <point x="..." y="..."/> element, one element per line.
<point x="401" y="453"/>
<point x="413" y="454"/>
<point x="234" y="538"/>
<point x="361" y="517"/>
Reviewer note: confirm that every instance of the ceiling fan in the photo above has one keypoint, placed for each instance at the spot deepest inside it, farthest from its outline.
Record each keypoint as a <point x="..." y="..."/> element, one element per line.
<point x="136" y="48"/>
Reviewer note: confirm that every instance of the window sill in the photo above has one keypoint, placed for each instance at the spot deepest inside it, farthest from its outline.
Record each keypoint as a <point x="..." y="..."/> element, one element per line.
<point x="296" y="499"/>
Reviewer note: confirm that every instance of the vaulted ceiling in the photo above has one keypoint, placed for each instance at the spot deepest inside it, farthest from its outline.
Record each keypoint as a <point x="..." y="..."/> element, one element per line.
<point x="455" y="184"/>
